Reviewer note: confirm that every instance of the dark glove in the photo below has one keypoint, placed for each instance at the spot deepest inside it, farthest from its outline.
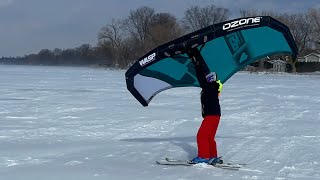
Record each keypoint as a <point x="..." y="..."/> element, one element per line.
<point x="194" y="61"/>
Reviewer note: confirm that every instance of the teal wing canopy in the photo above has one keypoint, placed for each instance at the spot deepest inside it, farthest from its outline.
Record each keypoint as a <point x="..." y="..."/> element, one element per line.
<point x="225" y="47"/>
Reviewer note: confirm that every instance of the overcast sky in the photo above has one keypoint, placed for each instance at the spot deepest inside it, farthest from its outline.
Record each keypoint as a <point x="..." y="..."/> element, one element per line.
<point x="27" y="26"/>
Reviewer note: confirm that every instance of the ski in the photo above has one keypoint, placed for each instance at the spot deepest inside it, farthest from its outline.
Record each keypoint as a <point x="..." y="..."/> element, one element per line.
<point x="175" y="162"/>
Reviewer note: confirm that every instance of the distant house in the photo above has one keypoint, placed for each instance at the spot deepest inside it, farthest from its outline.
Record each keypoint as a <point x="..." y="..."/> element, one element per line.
<point x="278" y="65"/>
<point x="312" y="57"/>
<point x="268" y="65"/>
<point x="309" y="62"/>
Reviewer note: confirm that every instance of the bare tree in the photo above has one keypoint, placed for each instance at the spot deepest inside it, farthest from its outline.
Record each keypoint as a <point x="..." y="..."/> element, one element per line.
<point x="110" y="37"/>
<point x="300" y="27"/>
<point x="111" y="33"/>
<point x="163" y="28"/>
<point x="301" y="30"/>
<point x="314" y="15"/>
<point x="138" y="24"/>
<point x="134" y="36"/>
<point x="196" y="17"/>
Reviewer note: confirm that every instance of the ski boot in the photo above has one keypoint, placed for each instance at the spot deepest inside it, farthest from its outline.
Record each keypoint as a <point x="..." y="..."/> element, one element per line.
<point x="197" y="160"/>
<point x="216" y="160"/>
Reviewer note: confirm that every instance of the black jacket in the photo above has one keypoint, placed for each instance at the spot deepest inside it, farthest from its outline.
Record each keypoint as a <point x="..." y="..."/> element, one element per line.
<point x="210" y="100"/>
<point x="209" y="94"/>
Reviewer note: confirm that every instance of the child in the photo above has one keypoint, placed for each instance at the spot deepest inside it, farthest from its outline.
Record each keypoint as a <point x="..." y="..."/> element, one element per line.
<point x="211" y="112"/>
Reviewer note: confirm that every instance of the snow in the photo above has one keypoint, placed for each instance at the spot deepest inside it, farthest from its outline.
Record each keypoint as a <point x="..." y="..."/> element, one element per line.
<point x="81" y="123"/>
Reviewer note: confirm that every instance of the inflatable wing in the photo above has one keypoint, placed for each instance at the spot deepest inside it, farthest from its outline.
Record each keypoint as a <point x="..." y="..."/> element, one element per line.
<point x="225" y="47"/>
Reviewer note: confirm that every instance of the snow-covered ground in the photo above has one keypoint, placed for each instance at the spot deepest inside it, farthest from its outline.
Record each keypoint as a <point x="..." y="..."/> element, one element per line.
<point x="67" y="123"/>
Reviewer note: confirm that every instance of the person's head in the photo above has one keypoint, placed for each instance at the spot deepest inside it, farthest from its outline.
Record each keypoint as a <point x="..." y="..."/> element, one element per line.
<point x="212" y="76"/>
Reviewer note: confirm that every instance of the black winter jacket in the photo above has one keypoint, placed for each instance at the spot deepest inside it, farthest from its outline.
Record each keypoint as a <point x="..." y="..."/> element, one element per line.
<point x="209" y="94"/>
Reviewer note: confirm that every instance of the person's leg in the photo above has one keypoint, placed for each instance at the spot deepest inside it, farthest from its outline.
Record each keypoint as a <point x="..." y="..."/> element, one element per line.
<point x="214" y="123"/>
<point x="205" y="137"/>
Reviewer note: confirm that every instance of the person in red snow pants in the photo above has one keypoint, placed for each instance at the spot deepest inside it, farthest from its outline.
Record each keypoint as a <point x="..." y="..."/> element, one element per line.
<point x="211" y="111"/>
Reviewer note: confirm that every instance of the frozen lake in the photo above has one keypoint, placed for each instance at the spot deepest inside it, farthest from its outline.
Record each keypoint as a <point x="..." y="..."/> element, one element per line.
<point x="81" y="123"/>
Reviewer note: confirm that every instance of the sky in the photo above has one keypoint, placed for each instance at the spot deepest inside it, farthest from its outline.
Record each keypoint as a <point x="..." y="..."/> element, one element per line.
<point x="27" y="26"/>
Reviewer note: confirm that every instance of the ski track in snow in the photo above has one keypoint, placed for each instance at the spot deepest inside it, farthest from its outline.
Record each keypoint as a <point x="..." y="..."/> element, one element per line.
<point x="82" y="123"/>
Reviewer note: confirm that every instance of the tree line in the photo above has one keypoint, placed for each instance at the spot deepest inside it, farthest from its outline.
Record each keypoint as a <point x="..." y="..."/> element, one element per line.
<point x="81" y="56"/>
<point x="123" y="41"/>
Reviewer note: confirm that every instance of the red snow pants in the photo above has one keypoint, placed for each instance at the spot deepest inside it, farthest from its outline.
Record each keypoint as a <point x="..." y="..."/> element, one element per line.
<point x="207" y="147"/>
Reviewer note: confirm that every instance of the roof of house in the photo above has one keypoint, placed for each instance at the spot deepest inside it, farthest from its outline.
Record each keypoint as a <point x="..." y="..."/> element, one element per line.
<point x="316" y="54"/>
<point x="277" y="61"/>
<point x="308" y="51"/>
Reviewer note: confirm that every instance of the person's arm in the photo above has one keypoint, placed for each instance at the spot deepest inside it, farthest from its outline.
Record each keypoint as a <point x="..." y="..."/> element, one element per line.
<point x="208" y="82"/>
<point x="201" y="75"/>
